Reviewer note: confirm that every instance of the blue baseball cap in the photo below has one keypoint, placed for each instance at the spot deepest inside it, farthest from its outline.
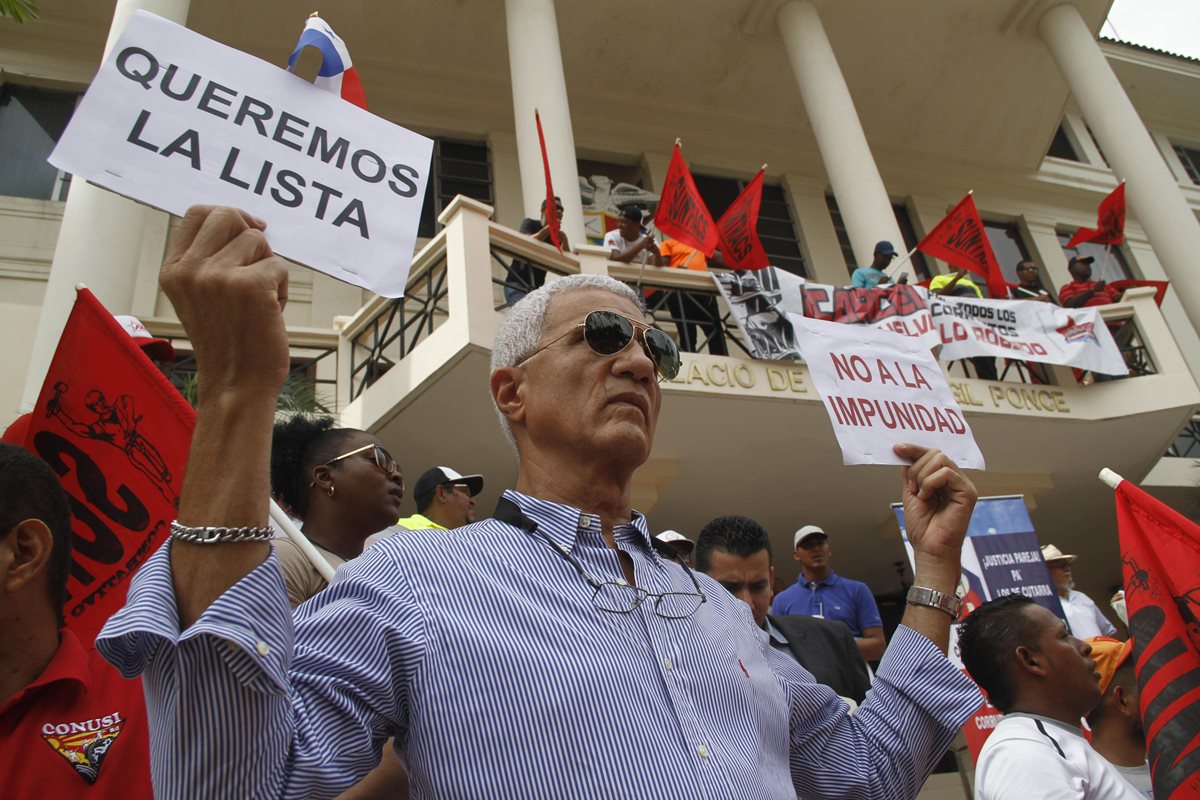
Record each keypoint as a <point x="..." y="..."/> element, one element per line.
<point x="885" y="248"/>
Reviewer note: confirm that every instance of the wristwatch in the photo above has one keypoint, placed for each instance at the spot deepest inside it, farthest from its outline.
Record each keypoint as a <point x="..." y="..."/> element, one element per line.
<point x="923" y="596"/>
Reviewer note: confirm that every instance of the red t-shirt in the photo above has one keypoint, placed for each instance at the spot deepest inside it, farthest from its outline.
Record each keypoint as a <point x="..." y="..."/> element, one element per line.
<point x="1101" y="298"/>
<point x="78" y="730"/>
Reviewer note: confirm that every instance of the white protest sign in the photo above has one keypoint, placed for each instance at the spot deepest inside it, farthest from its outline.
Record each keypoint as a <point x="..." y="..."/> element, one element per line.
<point x="173" y="119"/>
<point x="899" y="308"/>
<point x="880" y="389"/>
<point x="1029" y="330"/>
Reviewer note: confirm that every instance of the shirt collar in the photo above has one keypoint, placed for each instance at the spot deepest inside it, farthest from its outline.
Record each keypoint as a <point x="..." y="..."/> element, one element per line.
<point x="562" y="522"/>
<point x="776" y="635"/>
<point x="830" y="580"/>
<point x="69" y="663"/>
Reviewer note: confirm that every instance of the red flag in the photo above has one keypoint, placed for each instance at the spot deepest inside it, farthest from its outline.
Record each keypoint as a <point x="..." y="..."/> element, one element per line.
<point x="961" y="241"/>
<point x="117" y="433"/>
<point x="737" y="229"/>
<point x="551" y="205"/>
<point x="1110" y="221"/>
<point x="1161" y="554"/>
<point x="682" y="214"/>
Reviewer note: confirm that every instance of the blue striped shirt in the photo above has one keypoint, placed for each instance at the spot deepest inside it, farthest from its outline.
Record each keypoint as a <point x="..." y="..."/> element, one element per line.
<point x="480" y="651"/>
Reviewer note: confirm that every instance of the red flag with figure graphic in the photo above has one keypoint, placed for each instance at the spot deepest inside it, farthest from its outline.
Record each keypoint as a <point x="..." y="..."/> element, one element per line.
<point x="551" y="214"/>
<point x="1110" y="221"/>
<point x="681" y="213"/>
<point x="961" y="241"/>
<point x="738" y="229"/>
<point x="1161" y="553"/>
<point x="117" y="433"/>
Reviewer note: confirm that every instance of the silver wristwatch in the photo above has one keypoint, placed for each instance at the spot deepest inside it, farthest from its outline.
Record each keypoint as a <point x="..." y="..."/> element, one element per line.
<point x="923" y="596"/>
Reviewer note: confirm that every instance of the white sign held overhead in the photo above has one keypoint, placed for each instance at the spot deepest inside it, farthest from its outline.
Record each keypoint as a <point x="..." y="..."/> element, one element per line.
<point x="173" y="119"/>
<point x="881" y="389"/>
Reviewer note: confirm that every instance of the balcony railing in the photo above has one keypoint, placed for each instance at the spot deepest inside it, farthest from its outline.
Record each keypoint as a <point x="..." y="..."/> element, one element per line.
<point x="474" y="269"/>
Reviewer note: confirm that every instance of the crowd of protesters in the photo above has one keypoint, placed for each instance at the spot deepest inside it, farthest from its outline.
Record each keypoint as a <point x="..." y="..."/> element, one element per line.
<point x="552" y="649"/>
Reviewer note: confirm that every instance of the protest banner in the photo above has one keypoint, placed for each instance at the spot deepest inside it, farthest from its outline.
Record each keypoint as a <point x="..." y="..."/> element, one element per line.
<point x="117" y="434"/>
<point x="759" y="301"/>
<point x="1000" y="556"/>
<point x="881" y="389"/>
<point x="173" y="119"/>
<point x="1160" y="551"/>
<point x="681" y="213"/>
<point x="899" y="308"/>
<point x="1027" y="330"/>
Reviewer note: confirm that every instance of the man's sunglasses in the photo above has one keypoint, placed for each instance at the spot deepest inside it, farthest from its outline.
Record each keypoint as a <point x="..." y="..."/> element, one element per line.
<point x="608" y="333"/>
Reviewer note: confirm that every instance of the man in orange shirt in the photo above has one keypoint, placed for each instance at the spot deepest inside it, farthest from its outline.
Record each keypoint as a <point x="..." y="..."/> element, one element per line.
<point x="690" y="308"/>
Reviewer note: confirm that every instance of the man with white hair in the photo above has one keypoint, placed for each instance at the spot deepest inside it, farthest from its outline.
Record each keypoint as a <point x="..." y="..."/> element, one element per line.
<point x="547" y="652"/>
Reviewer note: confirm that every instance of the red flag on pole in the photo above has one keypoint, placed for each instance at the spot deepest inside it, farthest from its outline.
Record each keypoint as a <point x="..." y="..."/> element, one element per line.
<point x="1110" y="221"/>
<point x="551" y="206"/>
<point x="117" y="433"/>
<point x="682" y="214"/>
<point x="961" y="241"/>
<point x="1161" y="553"/>
<point x="738" y="229"/>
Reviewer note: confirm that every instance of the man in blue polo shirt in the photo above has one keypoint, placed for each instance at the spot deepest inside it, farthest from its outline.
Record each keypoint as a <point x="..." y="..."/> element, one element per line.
<point x="821" y="592"/>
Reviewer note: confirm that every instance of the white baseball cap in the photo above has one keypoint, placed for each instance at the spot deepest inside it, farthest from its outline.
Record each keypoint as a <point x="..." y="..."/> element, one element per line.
<point x="805" y="532"/>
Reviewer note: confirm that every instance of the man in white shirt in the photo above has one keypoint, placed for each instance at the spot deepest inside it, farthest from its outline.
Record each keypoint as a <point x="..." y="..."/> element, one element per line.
<point x="1084" y="619"/>
<point x="629" y="244"/>
<point x="1045" y="681"/>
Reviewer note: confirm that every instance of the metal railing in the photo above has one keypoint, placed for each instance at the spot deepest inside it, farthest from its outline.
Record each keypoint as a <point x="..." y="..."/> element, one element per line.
<point x="1187" y="443"/>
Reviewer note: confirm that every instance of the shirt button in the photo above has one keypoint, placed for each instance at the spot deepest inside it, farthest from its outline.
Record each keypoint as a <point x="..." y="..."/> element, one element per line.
<point x="586" y="522"/>
<point x="702" y="751"/>
<point x="263" y="649"/>
<point x="669" y="664"/>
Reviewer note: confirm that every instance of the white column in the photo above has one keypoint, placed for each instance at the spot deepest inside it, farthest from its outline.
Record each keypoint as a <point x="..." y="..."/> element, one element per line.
<point x="861" y="196"/>
<point x="100" y="240"/>
<point x="538" y="82"/>
<point x="1152" y="192"/>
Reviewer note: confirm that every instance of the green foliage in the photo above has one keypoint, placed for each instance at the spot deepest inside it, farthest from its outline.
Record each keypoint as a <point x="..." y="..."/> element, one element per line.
<point x="19" y="10"/>
<point x="298" y="395"/>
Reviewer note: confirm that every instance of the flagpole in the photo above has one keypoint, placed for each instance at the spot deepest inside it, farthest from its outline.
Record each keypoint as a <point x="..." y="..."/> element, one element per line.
<point x="1112" y="479"/>
<point x="1104" y="266"/>
<point x="301" y="541"/>
<point x="891" y="270"/>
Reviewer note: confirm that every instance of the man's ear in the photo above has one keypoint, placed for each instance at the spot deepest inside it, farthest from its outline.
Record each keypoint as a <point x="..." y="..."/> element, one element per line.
<point x="1030" y="660"/>
<point x="508" y="392"/>
<point x="24" y="553"/>
<point x="1126" y="701"/>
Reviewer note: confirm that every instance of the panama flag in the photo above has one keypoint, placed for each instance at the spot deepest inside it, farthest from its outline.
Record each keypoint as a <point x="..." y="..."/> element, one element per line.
<point x="337" y="73"/>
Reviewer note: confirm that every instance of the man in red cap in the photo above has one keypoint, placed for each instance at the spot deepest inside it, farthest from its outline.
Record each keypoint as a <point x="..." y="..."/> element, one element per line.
<point x="1116" y="722"/>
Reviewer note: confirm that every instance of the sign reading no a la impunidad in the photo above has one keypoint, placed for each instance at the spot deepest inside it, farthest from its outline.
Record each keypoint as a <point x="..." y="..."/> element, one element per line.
<point x="173" y="119"/>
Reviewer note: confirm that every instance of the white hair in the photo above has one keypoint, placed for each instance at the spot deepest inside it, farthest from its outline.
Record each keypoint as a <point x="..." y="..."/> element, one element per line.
<point x="520" y="333"/>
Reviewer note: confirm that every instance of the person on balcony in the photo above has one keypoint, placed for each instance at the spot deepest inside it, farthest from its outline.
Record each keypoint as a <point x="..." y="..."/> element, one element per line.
<point x="341" y="484"/>
<point x="523" y="276"/>
<point x="872" y="276"/>
<point x="690" y="309"/>
<point x="1030" y="286"/>
<point x="549" y="651"/>
<point x="959" y="285"/>
<point x="1082" y="291"/>
<point x="630" y="243"/>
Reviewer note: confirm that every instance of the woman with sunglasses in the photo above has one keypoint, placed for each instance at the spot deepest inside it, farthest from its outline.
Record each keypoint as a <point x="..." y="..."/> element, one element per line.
<point x="341" y="484"/>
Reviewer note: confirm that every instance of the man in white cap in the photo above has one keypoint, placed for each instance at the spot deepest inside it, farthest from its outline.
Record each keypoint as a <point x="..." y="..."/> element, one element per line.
<point x="680" y="543"/>
<point x="1083" y="618"/>
<point x="821" y="592"/>
<point x="445" y="499"/>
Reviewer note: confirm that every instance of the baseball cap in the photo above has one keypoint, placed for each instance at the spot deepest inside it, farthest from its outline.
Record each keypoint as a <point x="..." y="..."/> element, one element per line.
<point x="632" y="212"/>
<point x="671" y="537"/>
<point x="806" y="532"/>
<point x="1081" y="260"/>
<point x="157" y="349"/>
<point x="1109" y="654"/>
<point x="1052" y="553"/>
<point x="437" y="476"/>
<point x="885" y="248"/>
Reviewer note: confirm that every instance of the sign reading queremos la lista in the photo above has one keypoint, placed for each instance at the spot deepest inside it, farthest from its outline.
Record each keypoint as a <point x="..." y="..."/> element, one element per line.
<point x="173" y="119"/>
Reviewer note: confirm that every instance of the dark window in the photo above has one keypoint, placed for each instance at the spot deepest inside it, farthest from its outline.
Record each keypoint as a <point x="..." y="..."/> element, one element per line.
<point x="1061" y="147"/>
<point x="1190" y="158"/>
<point x="918" y="264"/>
<point x="1110" y="266"/>
<point x="1099" y="149"/>
<point x="458" y="168"/>
<point x="31" y="120"/>
<point x="1009" y="247"/>
<point x="775" y="228"/>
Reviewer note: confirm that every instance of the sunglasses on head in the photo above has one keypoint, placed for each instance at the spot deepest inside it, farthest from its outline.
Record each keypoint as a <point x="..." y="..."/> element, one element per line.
<point x="608" y="333"/>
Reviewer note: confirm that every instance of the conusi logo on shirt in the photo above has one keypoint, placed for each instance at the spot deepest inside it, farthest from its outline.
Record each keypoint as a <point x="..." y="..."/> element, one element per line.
<point x="84" y="744"/>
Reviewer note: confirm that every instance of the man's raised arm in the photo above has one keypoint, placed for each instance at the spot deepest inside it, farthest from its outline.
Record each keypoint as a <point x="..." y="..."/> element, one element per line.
<point x="229" y="291"/>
